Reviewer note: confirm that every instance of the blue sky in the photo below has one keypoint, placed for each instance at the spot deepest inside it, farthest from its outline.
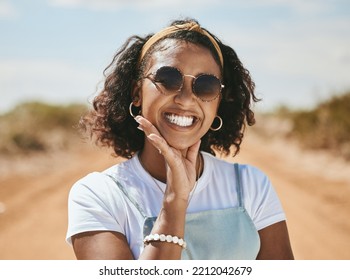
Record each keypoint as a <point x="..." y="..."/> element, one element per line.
<point x="298" y="52"/>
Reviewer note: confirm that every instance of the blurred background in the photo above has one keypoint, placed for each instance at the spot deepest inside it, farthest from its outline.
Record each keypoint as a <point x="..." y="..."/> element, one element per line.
<point x="52" y="57"/>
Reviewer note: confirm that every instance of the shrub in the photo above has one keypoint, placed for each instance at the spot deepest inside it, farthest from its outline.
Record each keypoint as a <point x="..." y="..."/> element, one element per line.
<point x="36" y="126"/>
<point x="325" y="127"/>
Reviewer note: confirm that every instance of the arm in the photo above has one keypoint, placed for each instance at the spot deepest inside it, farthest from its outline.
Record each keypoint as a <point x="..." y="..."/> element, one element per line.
<point x="275" y="244"/>
<point x="107" y="245"/>
<point x="181" y="176"/>
<point x="180" y="179"/>
<point x="96" y="245"/>
<point x="101" y="245"/>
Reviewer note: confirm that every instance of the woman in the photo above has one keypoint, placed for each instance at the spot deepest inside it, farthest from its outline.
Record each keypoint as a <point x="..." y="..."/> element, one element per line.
<point x="169" y="101"/>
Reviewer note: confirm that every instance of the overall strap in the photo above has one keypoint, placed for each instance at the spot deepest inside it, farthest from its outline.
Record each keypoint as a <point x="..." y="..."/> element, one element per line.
<point x="131" y="199"/>
<point x="238" y="185"/>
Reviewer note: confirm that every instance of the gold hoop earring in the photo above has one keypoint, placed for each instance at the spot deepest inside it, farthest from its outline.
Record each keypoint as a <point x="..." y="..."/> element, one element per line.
<point x="130" y="110"/>
<point x="220" y="125"/>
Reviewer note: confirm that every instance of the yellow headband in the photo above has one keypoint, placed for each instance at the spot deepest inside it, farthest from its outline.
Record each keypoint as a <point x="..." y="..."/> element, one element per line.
<point x="191" y="26"/>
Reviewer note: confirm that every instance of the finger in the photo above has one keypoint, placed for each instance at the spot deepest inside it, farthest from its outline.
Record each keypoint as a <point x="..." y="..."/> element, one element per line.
<point x="146" y="126"/>
<point x="159" y="143"/>
<point x="172" y="160"/>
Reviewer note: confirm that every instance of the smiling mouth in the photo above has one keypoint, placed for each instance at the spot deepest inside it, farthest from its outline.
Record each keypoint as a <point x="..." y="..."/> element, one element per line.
<point x="183" y="121"/>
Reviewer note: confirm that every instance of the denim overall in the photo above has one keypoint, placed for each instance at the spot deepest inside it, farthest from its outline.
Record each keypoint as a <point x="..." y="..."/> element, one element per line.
<point x="223" y="234"/>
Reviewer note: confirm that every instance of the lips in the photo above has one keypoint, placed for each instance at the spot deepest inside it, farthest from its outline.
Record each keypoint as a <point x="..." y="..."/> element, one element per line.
<point x="183" y="121"/>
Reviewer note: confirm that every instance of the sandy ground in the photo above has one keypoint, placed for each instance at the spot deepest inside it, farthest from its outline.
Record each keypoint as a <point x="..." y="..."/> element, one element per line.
<point x="314" y="189"/>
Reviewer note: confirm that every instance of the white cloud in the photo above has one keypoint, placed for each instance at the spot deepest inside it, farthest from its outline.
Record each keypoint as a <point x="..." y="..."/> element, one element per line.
<point x="296" y="63"/>
<point x="306" y="50"/>
<point x="108" y="5"/>
<point x="7" y="10"/>
<point x="50" y="81"/>
<point x="300" y="6"/>
<point x="316" y="51"/>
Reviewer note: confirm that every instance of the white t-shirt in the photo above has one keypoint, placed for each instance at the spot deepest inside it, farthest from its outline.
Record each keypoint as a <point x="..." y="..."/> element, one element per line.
<point x="97" y="203"/>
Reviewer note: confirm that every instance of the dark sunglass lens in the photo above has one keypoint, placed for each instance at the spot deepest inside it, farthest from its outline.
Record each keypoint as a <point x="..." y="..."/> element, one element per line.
<point x="169" y="77"/>
<point x="207" y="87"/>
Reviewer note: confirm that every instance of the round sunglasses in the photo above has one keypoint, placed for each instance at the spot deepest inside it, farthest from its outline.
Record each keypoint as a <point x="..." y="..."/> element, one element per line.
<point x="169" y="80"/>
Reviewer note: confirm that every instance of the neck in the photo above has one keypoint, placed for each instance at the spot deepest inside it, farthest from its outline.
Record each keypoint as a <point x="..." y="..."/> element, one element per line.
<point x="153" y="162"/>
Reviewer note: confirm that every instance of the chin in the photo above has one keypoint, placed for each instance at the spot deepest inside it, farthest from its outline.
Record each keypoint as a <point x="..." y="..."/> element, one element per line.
<point x="180" y="145"/>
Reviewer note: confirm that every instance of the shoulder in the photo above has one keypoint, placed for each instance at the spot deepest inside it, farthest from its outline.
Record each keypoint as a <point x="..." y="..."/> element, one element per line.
<point x="252" y="173"/>
<point x="100" y="184"/>
<point x="246" y="171"/>
<point x="255" y="184"/>
<point x="260" y="197"/>
<point x="215" y="162"/>
<point x="93" y="187"/>
<point x="252" y="180"/>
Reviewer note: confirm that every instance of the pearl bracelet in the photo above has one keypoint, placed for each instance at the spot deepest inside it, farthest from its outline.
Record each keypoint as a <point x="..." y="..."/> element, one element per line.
<point x="165" y="238"/>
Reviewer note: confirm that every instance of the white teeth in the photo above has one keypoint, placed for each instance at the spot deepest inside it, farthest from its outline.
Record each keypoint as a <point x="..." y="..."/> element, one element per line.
<point x="180" y="120"/>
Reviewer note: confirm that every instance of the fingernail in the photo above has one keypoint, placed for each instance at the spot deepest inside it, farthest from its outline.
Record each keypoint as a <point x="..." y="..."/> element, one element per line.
<point x="140" y="128"/>
<point x="137" y="118"/>
<point x="152" y="136"/>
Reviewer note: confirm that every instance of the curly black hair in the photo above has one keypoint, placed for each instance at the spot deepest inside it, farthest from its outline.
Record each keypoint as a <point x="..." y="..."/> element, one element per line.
<point x="112" y="125"/>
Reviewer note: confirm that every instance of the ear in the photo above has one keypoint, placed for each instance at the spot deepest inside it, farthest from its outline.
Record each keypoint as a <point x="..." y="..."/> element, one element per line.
<point x="136" y="93"/>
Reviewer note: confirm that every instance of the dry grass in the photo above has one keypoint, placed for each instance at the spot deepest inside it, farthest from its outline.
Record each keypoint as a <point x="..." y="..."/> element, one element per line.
<point x="324" y="128"/>
<point x="35" y="127"/>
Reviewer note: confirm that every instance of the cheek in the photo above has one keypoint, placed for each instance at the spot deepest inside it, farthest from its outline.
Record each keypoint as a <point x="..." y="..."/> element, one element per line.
<point x="148" y="110"/>
<point x="210" y="112"/>
<point x="148" y="100"/>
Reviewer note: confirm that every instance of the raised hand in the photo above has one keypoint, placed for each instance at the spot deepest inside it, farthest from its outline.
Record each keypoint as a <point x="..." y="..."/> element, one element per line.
<point x="181" y="165"/>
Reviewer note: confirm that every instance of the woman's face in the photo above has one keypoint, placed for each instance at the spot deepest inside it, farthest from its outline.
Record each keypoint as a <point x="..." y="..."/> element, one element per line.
<point x="181" y="118"/>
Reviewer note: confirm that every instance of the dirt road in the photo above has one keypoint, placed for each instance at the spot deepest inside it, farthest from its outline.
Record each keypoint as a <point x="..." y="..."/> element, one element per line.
<point x="314" y="189"/>
<point x="34" y="220"/>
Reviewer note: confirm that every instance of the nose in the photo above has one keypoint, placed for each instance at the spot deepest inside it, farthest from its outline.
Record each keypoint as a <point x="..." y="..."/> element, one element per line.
<point x="186" y="94"/>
